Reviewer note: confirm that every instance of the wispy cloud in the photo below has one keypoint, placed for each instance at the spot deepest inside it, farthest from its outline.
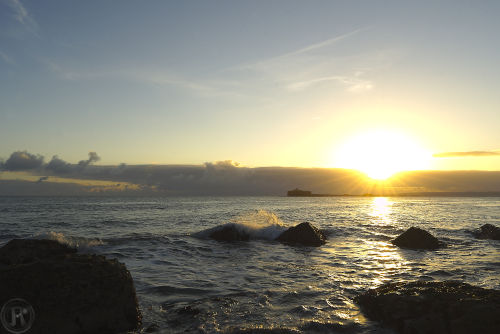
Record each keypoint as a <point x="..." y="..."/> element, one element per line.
<point x="303" y="50"/>
<point x="22" y="15"/>
<point x="353" y="83"/>
<point x="310" y="66"/>
<point x="467" y="154"/>
<point x="204" y="88"/>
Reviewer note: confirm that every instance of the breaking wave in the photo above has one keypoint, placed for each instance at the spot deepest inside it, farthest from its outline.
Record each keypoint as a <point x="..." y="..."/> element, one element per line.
<point x="261" y="224"/>
<point x="77" y="242"/>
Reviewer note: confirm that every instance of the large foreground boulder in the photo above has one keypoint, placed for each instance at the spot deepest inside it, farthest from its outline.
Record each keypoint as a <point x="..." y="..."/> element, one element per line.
<point x="488" y="231"/>
<point x="303" y="234"/>
<point x="433" y="307"/>
<point x="416" y="238"/>
<point x="229" y="232"/>
<point x="69" y="293"/>
<point x="18" y="251"/>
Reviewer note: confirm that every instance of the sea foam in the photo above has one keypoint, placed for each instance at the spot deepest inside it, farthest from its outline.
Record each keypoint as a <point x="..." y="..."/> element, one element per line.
<point x="260" y="224"/>
<point x="77" y="242"/>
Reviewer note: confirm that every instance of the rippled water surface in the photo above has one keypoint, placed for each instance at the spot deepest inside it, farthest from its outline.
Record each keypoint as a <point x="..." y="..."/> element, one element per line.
<point x="187" y="283"/>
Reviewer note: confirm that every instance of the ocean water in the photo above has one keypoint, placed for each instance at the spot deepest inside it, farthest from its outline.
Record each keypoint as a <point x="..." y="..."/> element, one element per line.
<point x="187" y="283"/>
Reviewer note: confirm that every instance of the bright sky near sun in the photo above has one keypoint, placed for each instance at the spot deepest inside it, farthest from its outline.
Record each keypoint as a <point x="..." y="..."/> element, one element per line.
<point x="265" y="83"/>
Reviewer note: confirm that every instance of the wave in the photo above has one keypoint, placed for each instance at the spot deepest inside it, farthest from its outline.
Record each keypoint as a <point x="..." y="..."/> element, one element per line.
<point x="138" y="237"/>
<point x="168" y="290"/>
<point x="77" y="242"/>
<point x="261" y="224"/>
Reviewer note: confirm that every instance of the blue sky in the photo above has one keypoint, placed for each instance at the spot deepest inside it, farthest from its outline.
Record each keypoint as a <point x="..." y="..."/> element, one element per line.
<point x="264" y="83"/>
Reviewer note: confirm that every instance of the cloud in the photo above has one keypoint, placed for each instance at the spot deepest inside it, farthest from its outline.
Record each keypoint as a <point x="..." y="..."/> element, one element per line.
<point x="22" y="15"/>
<point x="22" y="160"/>
<point x="218" y="178"/>
<point x="466" y="154"/>
<point x="313" y="65"/>
<point x="353" y="83"/>
<point x="93" y="157"/>
<point x="58" y="166"/>
<point x="305" y="49"/>
<point x="203" y="88"/>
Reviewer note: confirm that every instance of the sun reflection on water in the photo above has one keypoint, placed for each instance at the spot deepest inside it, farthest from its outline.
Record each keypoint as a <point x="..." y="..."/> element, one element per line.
<point x="381" y="209"/>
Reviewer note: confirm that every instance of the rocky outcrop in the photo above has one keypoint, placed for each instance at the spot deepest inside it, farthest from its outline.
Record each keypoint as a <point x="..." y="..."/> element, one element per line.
<point x="416" y="238"/>
<point x="433" y="307"/>
<point x="18" y="251"/>
<point x="488" y="231"/>
<point x="69" y="292"/>
<point x="303" y="234"/>
<point x="229" y="232"/>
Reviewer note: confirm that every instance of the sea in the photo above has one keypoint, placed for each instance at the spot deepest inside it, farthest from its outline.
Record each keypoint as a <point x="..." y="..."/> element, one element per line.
<point x="189" y="283"/>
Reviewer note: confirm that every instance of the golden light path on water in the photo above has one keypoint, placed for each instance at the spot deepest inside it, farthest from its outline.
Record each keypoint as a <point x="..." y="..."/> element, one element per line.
<point x="375" y="260"/>
<point x="382" y="254"/>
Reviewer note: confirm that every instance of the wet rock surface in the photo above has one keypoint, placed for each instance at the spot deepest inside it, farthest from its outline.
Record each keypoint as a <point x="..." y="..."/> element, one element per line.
<point x="18" y="251"/>
<point x="229" y="233"/>
<point x="303" y="234"/>
<point x="69" y="292"/>
<point x="433" y="307"/>
<point x="488" y="231"/>
<point x="416" y="238"/>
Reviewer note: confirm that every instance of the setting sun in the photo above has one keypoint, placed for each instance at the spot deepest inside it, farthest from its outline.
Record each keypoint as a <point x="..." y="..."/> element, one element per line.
<point x="382" y="153"/>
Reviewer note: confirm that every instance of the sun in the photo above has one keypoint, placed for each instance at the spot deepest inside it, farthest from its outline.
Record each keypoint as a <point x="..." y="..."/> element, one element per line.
<point x="382" y="153"/>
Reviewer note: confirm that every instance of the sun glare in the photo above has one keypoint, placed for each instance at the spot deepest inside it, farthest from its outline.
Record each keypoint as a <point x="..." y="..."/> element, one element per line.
<point x="381" y="153"/>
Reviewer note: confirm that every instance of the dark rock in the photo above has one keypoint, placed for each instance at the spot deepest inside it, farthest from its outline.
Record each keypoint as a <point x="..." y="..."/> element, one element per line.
<point x="229" y="232"/>
<point x="152" y="328"/>
<point x="433" y="307"/>
<point x="70" y="293"/>
<point x="19" y="251"/>
<point x="488" y="231"/>
<point x="416" y="238"/>
<point x="303" y="234"/>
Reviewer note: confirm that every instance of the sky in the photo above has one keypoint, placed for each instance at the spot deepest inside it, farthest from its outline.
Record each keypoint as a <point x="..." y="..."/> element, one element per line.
<point x="262" y="83"/>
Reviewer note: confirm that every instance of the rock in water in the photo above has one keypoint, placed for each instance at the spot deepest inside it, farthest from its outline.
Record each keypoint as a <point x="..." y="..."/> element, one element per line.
<point x="488" y="231"/>
<point x="229" y="232"/>
<point x="416" y="238"/>
<point x="433" y="307"/>
<point x="303" y="234"/>
<point x="70" y="293"/>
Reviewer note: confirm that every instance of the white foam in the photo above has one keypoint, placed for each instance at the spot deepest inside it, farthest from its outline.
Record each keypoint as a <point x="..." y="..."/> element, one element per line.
<point x="78" y="242"/>
<point x="260" y="224"/>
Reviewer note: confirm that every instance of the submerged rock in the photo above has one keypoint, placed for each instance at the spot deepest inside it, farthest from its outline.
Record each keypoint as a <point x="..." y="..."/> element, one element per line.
<point x="69" y="292"/>
<point x="416" y="238"/>
<point x="303" y="234"/>
<point x="229" y="232"/>
<point x="488" y="231"/>
<point x="433" y="307"/>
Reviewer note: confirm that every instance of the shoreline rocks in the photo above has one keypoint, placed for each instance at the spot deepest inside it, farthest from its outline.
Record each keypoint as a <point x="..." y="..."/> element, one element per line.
<point x="229" y="232"/>
<point x="19" y="251"/>
<point x="303" y="234"/>
<point x="433" y="307"/>
<point x="416" y="238"/>
<point x="488" y="231"/>
<point x="69" y="292"/>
